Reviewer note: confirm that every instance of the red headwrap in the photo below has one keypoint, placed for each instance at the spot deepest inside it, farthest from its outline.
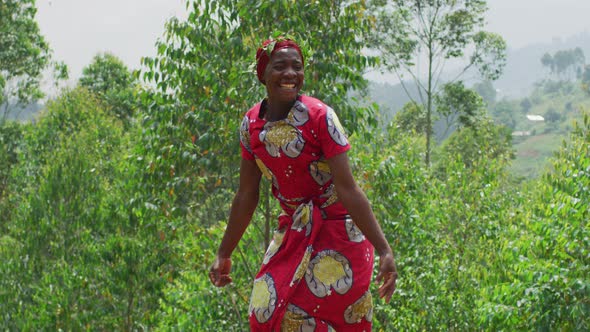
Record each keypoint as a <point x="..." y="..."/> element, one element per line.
<point x="262" y="58"/>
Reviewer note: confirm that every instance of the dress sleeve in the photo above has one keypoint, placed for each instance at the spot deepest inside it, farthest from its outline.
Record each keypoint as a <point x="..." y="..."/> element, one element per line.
<point x="245" y="139"/>
<point x="333" y="140"/>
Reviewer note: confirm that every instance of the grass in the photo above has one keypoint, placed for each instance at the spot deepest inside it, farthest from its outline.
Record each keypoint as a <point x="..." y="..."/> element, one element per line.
<point x="533" y="153"/>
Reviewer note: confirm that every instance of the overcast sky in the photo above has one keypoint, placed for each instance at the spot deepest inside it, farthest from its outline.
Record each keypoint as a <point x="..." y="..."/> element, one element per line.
<point x="79" y="29"/>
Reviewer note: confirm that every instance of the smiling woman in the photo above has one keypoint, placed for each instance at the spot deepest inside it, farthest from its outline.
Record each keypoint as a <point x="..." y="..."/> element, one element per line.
<point x="316" y="273"/>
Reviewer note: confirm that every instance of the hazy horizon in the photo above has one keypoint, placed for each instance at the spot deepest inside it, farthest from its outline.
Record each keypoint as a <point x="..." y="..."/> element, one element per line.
<point x="77" y="30"/>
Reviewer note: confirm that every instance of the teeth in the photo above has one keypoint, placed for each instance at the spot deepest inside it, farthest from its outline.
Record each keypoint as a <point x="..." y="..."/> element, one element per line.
<point x="289" y="86"/>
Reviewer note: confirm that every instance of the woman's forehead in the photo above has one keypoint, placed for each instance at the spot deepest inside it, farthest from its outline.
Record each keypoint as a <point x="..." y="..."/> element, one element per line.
<point x="288" y="53"/>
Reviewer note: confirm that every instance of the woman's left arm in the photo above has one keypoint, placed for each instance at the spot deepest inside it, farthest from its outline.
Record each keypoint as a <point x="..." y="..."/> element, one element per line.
<point x="354" y="200"/>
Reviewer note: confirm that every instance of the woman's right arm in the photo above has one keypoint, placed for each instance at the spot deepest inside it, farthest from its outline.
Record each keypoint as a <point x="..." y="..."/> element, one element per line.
<point x="242" y="209"/>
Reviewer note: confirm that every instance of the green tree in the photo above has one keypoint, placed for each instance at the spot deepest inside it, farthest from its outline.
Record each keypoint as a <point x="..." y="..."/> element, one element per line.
<point x="505" y="112"/>
<point x="547" y="61"/>
<point x="66" y="205"/>
<point x="460" y="107"/>
<point x="24" y="54"/>
<point x="425" y="34"/>
<point x="110" y="79"/>
<point x="552" y="115"/>
<point x="475" y="144"/>
<point x="586" y="80"/>
<point x="411" y="118"/>
<point x="11" y="141"/>
<point x="203" y="84"/>
<point x="543" y="283"/>
<point x="526" y="105"/>
<point x="487" y="91"/>
<point x="565" y="64"/>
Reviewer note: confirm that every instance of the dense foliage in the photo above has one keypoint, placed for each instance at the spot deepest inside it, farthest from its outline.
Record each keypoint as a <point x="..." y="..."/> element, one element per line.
<point x="24" y="56"/>
<point x="414" y="34"/>
<point x="111" y="223"/>
<point x="110" y="80"/>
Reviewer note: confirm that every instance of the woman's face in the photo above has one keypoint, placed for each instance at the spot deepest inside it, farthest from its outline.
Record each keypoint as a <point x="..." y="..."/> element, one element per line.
<point x="284" y="75"/>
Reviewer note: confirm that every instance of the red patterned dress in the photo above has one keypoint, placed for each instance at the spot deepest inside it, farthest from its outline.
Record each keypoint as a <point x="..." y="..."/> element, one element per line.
<point x="316" y="272"/>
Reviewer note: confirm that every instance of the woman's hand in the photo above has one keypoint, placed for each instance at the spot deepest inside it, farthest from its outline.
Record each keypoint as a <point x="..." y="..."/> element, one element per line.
<point x="219" y="272"/>
<point x="387" y="274"/>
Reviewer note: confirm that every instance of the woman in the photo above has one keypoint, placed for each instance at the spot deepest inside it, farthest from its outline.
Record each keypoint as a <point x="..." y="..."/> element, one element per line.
<point x="316" y="272"/>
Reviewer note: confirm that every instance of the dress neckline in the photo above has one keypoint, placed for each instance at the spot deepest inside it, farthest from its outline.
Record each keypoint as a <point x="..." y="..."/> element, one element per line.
<point x="264" y="105"/>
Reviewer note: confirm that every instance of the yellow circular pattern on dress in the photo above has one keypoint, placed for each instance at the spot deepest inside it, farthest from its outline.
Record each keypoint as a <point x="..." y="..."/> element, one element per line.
<point x="362" y="308"/>
<point x="260" y="294"/>
<point x="281" y="134"/>
<point x="328" y="270"/>
<point x="264" y="298"/>
<point x="323" y="167"/>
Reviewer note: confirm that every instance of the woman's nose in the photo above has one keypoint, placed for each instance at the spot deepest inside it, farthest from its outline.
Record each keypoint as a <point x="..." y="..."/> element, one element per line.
<point x="290" y="72"/>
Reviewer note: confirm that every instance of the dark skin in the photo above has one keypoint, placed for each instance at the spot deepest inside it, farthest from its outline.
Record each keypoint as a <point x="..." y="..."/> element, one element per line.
<point x="283" y="79"/>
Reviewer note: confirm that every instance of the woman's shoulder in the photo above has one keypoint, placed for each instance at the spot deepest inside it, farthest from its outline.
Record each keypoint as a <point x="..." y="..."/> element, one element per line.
<point x="315" y="106"/>
<point x="253" y="112"/>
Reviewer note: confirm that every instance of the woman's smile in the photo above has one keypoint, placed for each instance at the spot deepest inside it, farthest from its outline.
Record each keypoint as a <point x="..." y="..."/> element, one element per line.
<point x="284" y="76"/>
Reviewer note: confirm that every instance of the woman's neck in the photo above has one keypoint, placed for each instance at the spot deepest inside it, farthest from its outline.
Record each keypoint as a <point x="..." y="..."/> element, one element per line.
<point x="277" y="110"/>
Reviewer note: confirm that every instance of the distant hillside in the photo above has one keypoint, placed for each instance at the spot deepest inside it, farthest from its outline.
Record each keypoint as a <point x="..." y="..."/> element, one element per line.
<point x="560" y="103"/>
<point x="523" y="67"/>
<point x="21" y="114"/>
<point x="390" y="97"/>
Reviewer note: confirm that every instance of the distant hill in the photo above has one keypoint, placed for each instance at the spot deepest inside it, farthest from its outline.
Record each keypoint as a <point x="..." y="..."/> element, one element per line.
<point x="524" y="68"/>
<point x="390" y="97"/>
<point x="22" y="114"/>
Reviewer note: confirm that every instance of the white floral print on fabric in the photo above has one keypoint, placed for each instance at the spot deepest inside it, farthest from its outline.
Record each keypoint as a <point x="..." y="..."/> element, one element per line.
<point x="320" y="171"/>
<point x="299" y="114"/>
<point x="335" y="129"/>
<point x="331" y="195"/>
<point x="245" y="133"/>
<point x="302" y="218"/>
<point x="354" y="233"/>
<point x="275" y="244"/>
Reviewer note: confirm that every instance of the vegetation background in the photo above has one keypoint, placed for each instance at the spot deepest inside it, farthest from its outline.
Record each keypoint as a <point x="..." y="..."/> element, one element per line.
<point x="114" y="194"/>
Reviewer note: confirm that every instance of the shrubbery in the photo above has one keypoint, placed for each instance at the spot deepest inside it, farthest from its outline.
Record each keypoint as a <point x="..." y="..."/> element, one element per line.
<point x="110" y="224"/>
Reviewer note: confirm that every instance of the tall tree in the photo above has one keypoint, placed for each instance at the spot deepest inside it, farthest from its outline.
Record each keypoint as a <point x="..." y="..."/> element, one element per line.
<point x="565" y="64"/>
<point x="547" y="61"/>
<point x="24" y="54"/>
<point x="415" y="34"/>
<point x="586" y="80"/>
<point x="110" y="79"/>
<point x="487" y="91"/>
<point x="204" y="81"/>
<point x="460" y="107"/>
